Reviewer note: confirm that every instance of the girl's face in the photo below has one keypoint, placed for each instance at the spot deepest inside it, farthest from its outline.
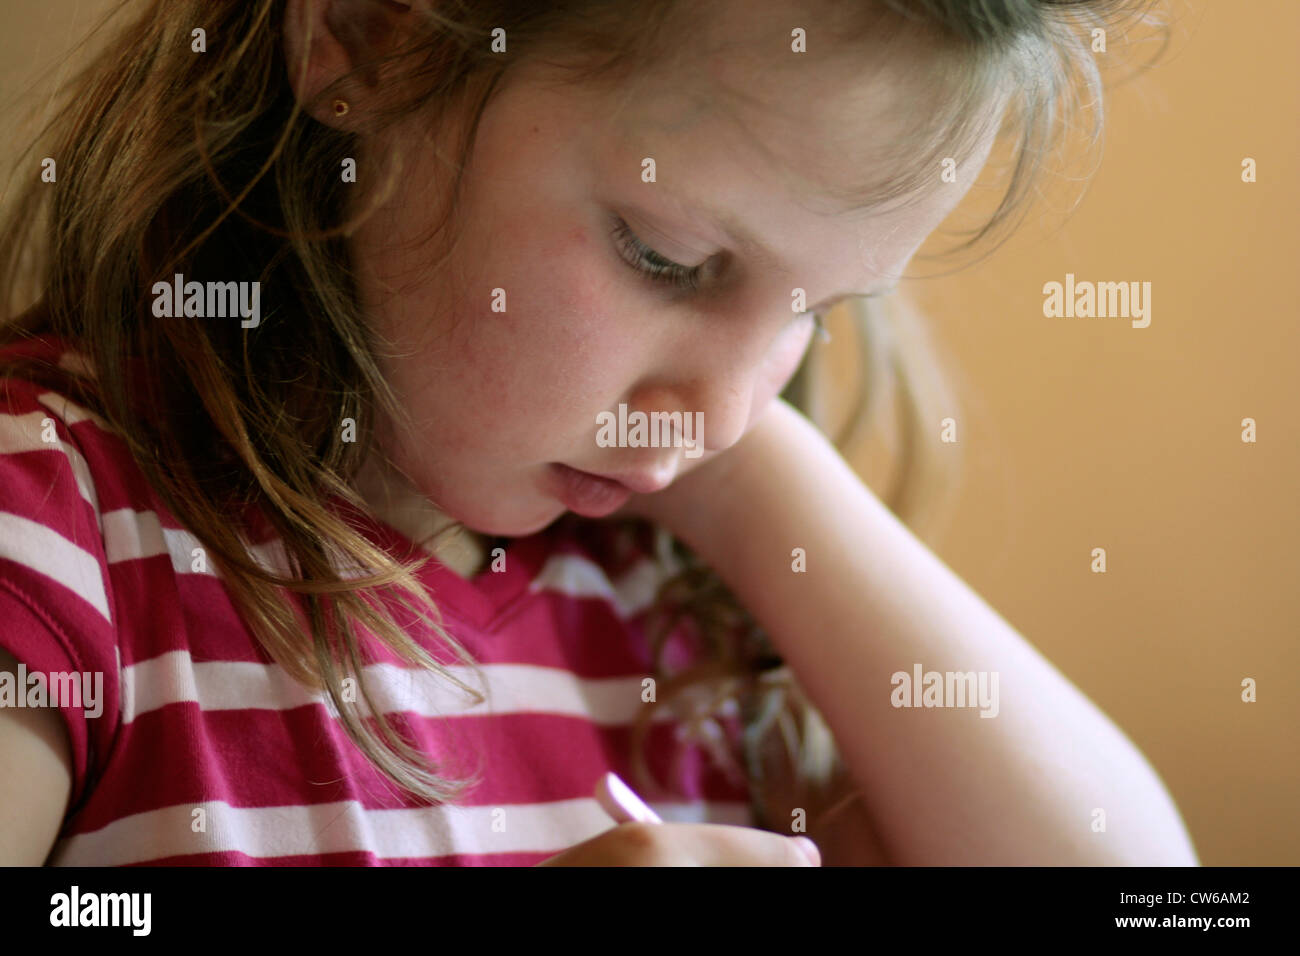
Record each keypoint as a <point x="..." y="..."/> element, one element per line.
<point x="504" y="400"/>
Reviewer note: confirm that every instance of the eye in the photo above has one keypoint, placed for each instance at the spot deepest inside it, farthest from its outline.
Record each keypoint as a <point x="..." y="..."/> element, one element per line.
<point x="649" y="263"/>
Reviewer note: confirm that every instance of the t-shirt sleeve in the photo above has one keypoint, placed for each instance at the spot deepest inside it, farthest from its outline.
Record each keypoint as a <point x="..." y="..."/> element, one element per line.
<point x="55" y="600"/>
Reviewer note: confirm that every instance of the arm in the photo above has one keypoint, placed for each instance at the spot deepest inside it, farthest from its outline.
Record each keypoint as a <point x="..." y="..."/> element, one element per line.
<point x="945" y="785"/>
<point x="36" y="782"/>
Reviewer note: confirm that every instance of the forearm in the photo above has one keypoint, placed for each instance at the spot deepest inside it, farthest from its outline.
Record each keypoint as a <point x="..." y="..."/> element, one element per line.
<point x="947" y="786"/>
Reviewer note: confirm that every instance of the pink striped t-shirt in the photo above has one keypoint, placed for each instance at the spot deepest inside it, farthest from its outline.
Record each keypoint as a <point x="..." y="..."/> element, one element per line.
<point x="190" y="746"/>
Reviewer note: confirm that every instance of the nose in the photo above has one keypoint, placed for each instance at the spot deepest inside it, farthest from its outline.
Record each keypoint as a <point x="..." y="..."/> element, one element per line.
<point x="714" y="408"/>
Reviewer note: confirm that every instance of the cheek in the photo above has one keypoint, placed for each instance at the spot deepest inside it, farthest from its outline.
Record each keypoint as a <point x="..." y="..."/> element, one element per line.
<point x="782" y="361"/>
<point x="573" y="325"/>
<point x="563" y="336"/>
<point x="530" y="377"/>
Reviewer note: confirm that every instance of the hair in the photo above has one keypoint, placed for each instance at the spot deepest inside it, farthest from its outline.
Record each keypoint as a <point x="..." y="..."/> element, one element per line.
<point x="208" y="165"/>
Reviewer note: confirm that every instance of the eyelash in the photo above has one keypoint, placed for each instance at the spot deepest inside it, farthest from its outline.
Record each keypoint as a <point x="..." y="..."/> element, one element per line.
<point x="651" y="264"/>
<point x="660" y="269"/>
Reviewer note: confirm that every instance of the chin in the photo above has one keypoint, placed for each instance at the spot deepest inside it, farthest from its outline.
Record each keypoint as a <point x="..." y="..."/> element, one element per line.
<point x="516" y="525"/>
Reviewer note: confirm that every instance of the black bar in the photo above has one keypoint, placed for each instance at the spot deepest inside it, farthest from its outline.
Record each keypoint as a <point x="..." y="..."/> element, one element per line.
<point x="335" y="906"/>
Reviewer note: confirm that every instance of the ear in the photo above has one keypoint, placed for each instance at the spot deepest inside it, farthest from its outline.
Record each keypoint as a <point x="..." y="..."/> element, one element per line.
<point x="324" y="40"/>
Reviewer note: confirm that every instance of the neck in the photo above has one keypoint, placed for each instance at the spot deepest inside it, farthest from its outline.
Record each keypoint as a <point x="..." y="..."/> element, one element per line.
<point x="397" y="502"/>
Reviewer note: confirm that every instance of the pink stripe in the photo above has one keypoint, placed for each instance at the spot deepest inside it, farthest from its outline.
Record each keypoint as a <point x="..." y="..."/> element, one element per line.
<point x="537" y="758"/>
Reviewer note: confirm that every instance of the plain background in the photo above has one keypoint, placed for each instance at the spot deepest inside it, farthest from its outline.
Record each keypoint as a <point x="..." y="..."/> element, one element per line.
<point x="1085" y="432"/>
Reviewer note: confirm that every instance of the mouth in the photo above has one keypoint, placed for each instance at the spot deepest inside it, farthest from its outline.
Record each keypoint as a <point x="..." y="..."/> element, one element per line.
<point x="595" y="496"/>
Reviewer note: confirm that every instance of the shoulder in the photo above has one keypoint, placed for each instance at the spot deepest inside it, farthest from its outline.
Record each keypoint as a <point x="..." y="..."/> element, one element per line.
<point x="57" y="616"/>
<point x="50" y="510"/>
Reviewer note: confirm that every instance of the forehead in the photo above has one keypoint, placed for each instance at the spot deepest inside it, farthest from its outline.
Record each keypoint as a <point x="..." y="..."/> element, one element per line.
<point x="848" y="142"/>
<point x="843" y="125"/>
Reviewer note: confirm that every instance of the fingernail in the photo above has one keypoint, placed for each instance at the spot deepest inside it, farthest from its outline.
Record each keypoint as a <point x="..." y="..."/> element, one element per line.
<point x="809" y="849"/>
<point x="626" y="805"/>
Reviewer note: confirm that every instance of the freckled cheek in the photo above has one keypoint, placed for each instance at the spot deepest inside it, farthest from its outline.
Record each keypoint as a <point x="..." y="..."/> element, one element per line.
<point x="561" y="348"/>
<point x="575" y="317"/>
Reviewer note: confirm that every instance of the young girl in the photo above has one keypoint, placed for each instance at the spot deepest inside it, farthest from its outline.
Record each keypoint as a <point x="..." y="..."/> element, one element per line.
<point x="317" y="544"/>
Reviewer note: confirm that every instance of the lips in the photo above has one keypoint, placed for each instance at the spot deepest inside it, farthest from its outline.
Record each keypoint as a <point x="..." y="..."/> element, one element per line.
<point x="641" y="482"/>
<point x="592" y="495"/>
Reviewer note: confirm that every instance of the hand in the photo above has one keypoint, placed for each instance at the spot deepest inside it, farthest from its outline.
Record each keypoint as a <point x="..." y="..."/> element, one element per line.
<point x="687" y="844"/>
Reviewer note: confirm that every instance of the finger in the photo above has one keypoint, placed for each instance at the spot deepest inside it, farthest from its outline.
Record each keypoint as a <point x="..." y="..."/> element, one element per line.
<point x="720" y="845"/>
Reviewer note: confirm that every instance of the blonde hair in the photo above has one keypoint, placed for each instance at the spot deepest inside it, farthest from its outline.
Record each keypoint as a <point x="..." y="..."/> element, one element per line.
<point x="172" y="162"/>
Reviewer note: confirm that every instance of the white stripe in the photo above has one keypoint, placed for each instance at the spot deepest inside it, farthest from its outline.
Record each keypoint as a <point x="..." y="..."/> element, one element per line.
<point x="49" y="553"/>
<point x="71" y="412"/>
<point x="22" y="433"/>
<point x="181" y="545"/>
<point x="174" y="677"/>
<point x="132" y="535"/>
<point x="580" y="577"/>
<point x="346" y="826"/>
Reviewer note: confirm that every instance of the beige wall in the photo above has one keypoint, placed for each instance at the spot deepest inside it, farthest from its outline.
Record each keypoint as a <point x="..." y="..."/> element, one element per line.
<point x="1084" y="433"/>
<point x="1087" y="432"/>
